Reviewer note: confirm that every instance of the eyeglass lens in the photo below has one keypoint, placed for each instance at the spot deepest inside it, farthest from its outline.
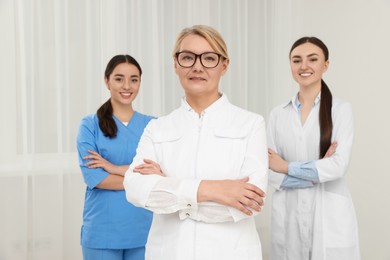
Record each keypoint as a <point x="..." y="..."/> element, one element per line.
<point x="207" y="59"/>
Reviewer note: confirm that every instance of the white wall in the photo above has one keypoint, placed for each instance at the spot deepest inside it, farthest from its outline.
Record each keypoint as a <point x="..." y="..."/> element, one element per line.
<point x="52" y="58"/>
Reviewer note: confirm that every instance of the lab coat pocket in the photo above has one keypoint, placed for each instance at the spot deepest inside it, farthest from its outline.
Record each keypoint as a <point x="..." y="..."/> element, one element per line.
<point x="339" y="220"/>
<point x="167" y="145"/>
<point x="164" y="137"/>
<point x="228" y="150"/>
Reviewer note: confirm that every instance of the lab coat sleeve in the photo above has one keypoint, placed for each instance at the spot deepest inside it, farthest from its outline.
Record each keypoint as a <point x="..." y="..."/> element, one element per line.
<point x="162" y="195"/>
<point x="86" y="141"/>
<point x="291" y="182"/>
<point x="255" y="163"/>
<point x="303" y="170"/>
<point x="275" y="179"/>
<point x="336" y="166"/>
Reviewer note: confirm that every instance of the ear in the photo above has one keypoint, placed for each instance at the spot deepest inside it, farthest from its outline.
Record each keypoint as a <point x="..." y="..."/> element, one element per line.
<point x="225" y="66"/>
<point x="175" y="65"/>
<point x="326" y="66"/>
<point x="106" y="82"/>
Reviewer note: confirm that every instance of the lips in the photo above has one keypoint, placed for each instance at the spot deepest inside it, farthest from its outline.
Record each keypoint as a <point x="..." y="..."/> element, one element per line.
<point x="197" y="78"/>
<point x="126" y="94"/>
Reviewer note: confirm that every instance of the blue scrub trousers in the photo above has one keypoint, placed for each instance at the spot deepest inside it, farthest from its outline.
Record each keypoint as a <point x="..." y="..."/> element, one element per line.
<point x="113" y="254"/>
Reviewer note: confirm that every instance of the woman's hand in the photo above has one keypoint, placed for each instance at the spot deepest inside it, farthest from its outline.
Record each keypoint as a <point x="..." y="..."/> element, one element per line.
<point x="149" y="167"/>
<point x="238" y="194"/>
<point x="331" y="150"/>
<point x="97" y="161"/>
<point x="276" y="162"/>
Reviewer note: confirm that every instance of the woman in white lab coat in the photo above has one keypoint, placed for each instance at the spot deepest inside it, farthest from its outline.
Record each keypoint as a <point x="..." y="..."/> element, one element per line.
<point x="214" y="158"/>
<point x="310" y="140"/>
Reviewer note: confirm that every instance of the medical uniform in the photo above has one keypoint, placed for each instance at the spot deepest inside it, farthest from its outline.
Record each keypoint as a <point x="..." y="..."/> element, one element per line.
<point x="224" y="142"/>
<point x="109" y="221"/>
<point x="313" y="216"/>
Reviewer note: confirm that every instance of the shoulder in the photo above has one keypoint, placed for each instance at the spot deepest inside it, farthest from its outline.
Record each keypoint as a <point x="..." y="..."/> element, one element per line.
<point x="89" y="126"/>
<point x="168" y="121"/>
<point x="339" y="103"/>
<point x="341" y="110"/>
<point x="239" y="117"/>
<point x="279" y="109"/>
<point x="90" y="121"/>
<point x="341" y="106"/>
<point x="144" y="118"/>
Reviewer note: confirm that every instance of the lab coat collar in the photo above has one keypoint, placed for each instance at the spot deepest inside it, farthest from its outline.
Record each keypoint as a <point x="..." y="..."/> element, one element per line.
<point x="213" y="107"/>
<point x="294" y="102"/>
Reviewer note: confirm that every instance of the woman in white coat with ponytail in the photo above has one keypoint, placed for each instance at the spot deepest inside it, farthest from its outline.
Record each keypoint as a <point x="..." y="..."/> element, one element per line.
<point x="310" y="139"/>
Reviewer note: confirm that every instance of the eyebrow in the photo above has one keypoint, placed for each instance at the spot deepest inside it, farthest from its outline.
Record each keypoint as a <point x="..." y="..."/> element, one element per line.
<point x="310" y="55"/>
<point x="184" y="50"/>
<point x="121" y="75"/>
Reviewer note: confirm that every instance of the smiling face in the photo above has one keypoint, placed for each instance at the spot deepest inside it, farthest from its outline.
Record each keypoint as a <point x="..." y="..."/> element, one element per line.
<point x="308" y="64"/>
<point x="197" y="80"/>
<point x="123" y="84"/>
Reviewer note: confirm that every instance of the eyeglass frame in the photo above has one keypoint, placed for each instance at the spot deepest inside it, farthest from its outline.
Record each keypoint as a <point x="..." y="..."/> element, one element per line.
<point x="200" y="58"/>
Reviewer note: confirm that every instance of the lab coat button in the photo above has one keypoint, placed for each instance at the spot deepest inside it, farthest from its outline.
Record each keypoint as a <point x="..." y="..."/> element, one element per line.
<point x="188" y="205"/>
<point x="187" y="214"/>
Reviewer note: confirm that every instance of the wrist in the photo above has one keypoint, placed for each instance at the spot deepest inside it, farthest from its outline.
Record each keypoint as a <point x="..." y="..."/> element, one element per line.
<point x="285" y="170"/>
<point x="204" y="187"/>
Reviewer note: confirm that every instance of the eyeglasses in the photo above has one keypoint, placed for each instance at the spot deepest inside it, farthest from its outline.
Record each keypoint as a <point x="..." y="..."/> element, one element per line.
<point x="187" y="59"/>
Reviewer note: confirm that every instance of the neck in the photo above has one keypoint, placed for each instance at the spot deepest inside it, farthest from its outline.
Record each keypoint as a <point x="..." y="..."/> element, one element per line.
<point x="200" y="103"/>
<point x="307" y="95"/>
<point x="123" y="112"/>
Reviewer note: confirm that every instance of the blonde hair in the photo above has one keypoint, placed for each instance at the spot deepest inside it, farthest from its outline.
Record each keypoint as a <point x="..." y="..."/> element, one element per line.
<point x="212" y="36"/>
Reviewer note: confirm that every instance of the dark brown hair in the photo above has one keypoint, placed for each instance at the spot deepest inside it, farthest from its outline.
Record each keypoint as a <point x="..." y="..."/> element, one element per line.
<point x="325" y="118"/>
<point x="104" y="113"/>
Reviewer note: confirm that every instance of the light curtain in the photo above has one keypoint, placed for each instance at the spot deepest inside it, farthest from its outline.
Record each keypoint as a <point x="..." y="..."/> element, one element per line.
<point x="53" y="57"/>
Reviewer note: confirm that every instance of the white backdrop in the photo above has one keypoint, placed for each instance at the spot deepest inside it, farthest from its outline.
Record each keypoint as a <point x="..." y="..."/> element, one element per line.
<point x="52" y="58"/>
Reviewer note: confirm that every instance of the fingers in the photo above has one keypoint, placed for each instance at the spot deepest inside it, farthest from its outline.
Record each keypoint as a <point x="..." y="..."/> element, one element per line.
<point x="93" y="152"/>
<point x="249" y="203"/>
<point x="245" y="179"/>
<point x="249" y="197"/>
<point x="93" y="164"/>
<point x="331" y="150"/>
<point x="253" y="188"/>
<point x="255" y="197"/>
<point x="93" y="155"/>
<point x="149" y="168"/>
<point x="243" y="209"/>
<point x="246" y="204"/>
<point x="148" y="161"/>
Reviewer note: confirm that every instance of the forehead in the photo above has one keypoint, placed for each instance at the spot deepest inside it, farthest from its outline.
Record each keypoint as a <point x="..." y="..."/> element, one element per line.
<point x="195" y="43"/>
<point x="307" y="49"/>
<point x="126" y="69"/>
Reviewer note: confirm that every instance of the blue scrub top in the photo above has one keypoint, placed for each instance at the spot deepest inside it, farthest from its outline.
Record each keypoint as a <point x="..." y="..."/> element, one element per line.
<point x="109" y="220"/>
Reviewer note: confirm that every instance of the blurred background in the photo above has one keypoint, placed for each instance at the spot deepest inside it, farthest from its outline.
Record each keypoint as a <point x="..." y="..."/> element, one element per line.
<point x="52" y="57"/>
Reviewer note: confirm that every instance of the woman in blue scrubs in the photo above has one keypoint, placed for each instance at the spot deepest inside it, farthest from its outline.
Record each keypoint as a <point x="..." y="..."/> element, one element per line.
<point x="112" y="228"/>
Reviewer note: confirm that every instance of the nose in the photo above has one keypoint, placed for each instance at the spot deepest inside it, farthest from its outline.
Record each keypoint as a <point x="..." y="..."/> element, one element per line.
<point x="198" y="65"/>
<point x="126" y="84"/>
<point x="303" y="64"/>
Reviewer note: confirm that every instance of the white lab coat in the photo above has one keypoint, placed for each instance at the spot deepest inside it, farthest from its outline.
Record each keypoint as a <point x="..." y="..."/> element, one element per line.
<point x="317" y="222"/>
<point x="226" y="142"/>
